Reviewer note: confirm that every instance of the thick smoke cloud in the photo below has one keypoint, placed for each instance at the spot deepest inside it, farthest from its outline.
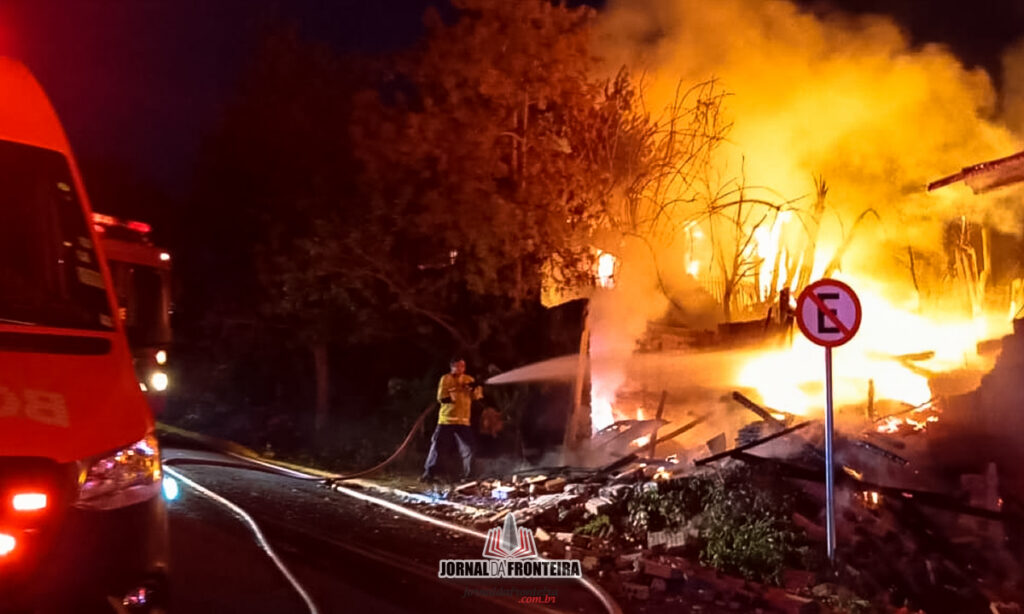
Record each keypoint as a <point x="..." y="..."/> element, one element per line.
<point x="849" y="100"/>
<point x="844" y="98"/>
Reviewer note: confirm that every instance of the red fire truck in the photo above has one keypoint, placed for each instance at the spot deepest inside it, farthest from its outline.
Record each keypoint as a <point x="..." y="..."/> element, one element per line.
<point x="83" y="527"/>
<point x="141" y="272"/>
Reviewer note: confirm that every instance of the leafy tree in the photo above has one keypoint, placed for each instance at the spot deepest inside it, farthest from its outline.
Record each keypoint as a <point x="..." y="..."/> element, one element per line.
<point x="475" y="166"/>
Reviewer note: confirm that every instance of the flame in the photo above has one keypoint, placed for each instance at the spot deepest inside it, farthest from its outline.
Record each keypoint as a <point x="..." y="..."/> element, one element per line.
<point x="792" y="379"/>
<point x="601" y="414"/>
<point x="767" y="244"/>
<point x="605" y="270"/>
<point x="646" y="439"/>
<point x="858" y="105"/>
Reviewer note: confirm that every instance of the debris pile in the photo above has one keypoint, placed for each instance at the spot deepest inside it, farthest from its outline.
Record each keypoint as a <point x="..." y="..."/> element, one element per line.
<point x="736" y="531"/>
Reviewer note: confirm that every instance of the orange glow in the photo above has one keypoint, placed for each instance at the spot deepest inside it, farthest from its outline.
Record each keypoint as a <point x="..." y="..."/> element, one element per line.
<point x="605" y="270"/>
<point x="29" y="501"/>
<point x="791" y="379"/>
<point x="646" y="439"/>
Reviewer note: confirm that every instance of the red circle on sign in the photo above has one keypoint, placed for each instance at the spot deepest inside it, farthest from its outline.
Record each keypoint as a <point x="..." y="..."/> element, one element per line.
<point x="843" y="331"/>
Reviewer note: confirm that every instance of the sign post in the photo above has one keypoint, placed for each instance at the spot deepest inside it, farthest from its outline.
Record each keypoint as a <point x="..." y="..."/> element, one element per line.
<point x="828" y="313"/>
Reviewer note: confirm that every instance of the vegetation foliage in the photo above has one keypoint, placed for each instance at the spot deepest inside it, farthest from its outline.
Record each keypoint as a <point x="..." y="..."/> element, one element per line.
<point x="744" y="521"/>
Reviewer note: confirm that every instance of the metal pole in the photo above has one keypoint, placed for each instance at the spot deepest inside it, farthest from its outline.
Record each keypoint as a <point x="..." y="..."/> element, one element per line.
<point x="830" y="504"/>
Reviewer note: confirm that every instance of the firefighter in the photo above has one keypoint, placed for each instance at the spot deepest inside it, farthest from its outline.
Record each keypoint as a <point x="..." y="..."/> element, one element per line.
<point x="455" y="392"/>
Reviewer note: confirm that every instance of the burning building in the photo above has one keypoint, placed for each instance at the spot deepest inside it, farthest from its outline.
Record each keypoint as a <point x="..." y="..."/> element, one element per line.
<point x="826" y="133"/>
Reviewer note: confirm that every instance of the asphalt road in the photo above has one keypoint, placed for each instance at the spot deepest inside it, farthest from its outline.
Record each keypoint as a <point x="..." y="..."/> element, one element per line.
<point x="349" y="555"/>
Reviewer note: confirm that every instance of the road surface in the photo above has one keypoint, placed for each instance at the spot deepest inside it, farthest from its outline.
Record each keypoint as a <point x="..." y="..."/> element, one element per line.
<point x="348" y="555"/>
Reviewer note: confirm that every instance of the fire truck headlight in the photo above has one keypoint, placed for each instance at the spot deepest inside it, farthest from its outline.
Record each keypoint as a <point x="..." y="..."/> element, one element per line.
<point x="130" y="475"/>
<point x="158" y="381"/>
<point x="161" y="357"/>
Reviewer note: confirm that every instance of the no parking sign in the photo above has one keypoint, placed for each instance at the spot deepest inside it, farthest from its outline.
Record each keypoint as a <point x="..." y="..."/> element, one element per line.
<point x="828" y="313"/>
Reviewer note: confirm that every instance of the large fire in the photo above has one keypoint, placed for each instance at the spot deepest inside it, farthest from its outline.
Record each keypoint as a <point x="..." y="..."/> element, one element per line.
<point x="791" y="379"/>
<point x="837" y="125"/>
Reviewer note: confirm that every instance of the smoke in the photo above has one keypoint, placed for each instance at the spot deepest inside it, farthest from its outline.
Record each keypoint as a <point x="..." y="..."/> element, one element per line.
<point x="813" y="98"/>
<point x="845" y="98"/>
<point x="618" y="317"/>
<point x="1013" y="87"/>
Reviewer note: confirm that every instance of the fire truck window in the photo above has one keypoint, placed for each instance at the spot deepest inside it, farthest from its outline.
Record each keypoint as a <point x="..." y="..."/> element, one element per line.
<point x="48" y="271"/>
<point x="145" y="304"/>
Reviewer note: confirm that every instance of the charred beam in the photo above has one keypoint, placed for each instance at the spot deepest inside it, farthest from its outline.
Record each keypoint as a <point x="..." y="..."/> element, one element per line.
<point x="936" y="500"/>
<point x="629" y="458"/>
<point x="753" y="444"/>
<point x="757" y="409"/>
<point x="654" y="434"/>
<point x="867" y="445"/>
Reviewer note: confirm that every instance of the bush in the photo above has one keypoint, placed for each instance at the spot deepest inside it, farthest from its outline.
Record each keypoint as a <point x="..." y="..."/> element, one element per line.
<point x="599" y="526"/>
<point x="747" y="526"/>
<point x="744" y="521"/>
<point x="670" y="506"/>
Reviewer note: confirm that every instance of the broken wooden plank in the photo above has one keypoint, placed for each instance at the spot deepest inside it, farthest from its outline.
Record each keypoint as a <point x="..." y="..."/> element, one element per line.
<point x="464" y="487"/>
<point x="629" y="458"/>
<point x="679" y="431"/>
<point x="867" y="445"/>
<point x="927" y="498"/>
<point x="717" y="443"/>
<point x="753" y="444"/>
<point x="654" y="433"/>
<point x="757" y="409"/>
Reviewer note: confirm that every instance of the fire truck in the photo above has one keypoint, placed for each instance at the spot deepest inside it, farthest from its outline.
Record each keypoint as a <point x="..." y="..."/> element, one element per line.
<point x="83" y="527"/>
<point x="141" y="272"/>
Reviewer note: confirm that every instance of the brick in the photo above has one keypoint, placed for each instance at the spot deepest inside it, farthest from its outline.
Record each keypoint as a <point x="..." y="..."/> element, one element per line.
<point x="628" y="561"/>
<point x="553" y="485"/>
<point x="668" y="539"/>
<point x="597" y="505"/>
<point x="662" y="569"/>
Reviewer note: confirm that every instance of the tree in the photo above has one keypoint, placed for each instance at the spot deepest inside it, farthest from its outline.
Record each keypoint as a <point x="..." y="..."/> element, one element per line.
<point x="473" y="166"/>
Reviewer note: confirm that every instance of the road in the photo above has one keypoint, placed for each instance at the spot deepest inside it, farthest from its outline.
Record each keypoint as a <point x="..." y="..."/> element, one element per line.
<point x="349" y="555"/>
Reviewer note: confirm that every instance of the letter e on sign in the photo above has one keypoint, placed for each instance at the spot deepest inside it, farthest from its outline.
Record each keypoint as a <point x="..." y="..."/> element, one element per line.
<point x="828" y="312"/>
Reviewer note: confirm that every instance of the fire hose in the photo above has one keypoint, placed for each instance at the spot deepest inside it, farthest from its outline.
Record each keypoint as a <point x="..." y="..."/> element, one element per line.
<point x="255" y="464"/>
<point x="327" y="480"/>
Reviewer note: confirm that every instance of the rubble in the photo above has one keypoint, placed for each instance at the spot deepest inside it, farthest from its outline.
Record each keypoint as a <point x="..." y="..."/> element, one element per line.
<point x="597" y="505"/>
<point x="643" y="525"/>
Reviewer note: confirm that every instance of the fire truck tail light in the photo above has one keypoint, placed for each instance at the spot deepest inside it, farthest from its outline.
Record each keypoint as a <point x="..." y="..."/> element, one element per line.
<point x="101" y="222"/>
<point x="29" y="501"/>
<point x="105" y="220"/>
<point x="7" y="544"/>
<point x="142" y="227"/>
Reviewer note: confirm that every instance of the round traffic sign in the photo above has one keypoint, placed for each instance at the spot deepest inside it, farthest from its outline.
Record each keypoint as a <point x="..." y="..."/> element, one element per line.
<point x="828" y="312"/>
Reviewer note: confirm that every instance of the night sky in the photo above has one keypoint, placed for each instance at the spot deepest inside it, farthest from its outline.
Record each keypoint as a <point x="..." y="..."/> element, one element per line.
<point x="137" y="82"/>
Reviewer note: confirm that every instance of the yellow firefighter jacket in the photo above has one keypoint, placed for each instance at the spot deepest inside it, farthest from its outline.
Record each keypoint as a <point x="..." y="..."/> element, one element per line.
<point x="455" y="396"/>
